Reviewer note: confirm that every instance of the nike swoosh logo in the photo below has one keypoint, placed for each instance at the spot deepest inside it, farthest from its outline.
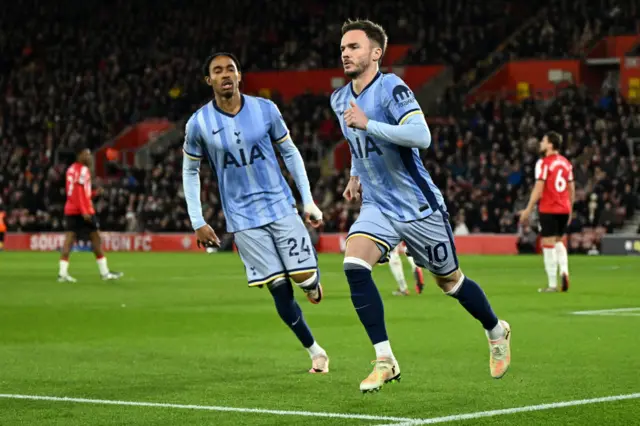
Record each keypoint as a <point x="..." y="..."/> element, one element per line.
<point x="215" y="132"/>
<point x="362" y="307"/>
<point x="436" y="268"/>
<point x="295" y="322"/>
<point x="303" y="260"/>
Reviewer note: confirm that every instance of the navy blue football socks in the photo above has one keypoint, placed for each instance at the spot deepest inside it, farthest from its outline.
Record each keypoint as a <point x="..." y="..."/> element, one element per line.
<point x="366" y="300"/>
<point x="290" y="311"/>
<point x="473" y="299"/>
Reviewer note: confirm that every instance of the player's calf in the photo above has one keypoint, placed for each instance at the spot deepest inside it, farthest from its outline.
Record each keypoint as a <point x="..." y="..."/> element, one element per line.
<point x="395" y="264"/>
<point x="550" y="262"/>
<point x="291" y="314"/>
<point x="563" y="262"/>
<point x="367" y="301"/>
<point x="474" y="300"/>
<point x="63" y="269"/>
<point x="101" y="260"/>
<point x="309" y="282"/>
<point x="360" y="255"/>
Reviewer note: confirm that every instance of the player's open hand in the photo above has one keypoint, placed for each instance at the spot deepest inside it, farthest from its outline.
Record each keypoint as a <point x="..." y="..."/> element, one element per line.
<point x="524" y="216"/>
<point x="354" y="117"/>
<point x="313" y="215"/>
<point x="352" y="191"/>
<point x="207" y="237"/>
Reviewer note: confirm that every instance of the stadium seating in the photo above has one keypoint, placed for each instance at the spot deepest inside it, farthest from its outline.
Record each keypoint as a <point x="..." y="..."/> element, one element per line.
<point x="88" y="79"/>
<point x="485" y="159"/>
<point x="569" y="29"/>
<point x="466" y="32"/>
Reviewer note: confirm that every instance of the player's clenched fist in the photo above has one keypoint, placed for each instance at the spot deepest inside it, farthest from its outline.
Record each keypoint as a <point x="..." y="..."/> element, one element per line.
<point x="313" y="215"/>
<point x="207" y="237"/>
<point x="352" y="191"/>
<point x="355" y="117"/>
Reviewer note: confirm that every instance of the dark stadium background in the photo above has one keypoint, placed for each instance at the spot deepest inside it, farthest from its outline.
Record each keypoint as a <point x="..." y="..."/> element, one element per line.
<point x="91" y="71"/>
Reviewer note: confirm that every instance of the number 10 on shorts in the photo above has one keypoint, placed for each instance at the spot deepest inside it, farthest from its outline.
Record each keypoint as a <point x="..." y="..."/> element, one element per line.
<point x="437" y="253"/>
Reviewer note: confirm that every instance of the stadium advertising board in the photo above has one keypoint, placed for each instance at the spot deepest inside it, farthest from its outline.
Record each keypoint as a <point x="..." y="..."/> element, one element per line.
<point x="630" y="78"/>
<point x="111" y="241"/>
<point x="147" y="242"/>
<point x="621" y="245"/>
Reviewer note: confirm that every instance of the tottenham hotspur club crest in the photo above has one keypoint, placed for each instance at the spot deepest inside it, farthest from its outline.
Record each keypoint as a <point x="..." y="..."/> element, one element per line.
<point x="402" y="95"/>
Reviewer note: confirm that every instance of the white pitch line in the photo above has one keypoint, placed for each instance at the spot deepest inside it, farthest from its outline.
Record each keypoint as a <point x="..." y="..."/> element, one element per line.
<point x="619" y="311"/>
<point x="493" y="413"/>
<point x="210" y="408"/>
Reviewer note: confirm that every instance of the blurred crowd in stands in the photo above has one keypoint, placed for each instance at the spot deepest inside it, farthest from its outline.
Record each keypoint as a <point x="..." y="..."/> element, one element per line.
<point x="488" y="155"/>
<point x="83" y="74"/>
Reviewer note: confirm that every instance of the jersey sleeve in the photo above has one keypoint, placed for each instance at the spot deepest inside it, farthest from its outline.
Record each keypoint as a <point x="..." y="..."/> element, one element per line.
<point x="192" y="140"/>
<point x="541" y="170"/>
<point x="80" y="195"/>
<point x="84" y="176"/>
<point x="399" y="101"/>
<point x="570" y="178"/>
<point x="278" y="130"/>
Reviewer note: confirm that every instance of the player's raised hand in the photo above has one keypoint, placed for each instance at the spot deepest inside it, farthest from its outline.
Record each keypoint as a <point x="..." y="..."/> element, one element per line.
<point x="207" y="237"/>
<point x="313" y="215"/>
<point x="354" y="117"/>
<point x="352" y="191"/>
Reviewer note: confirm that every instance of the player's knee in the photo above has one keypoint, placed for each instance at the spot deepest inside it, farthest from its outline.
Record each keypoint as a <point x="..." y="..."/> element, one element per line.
<point x="302" y="277"/>
<point x="363" y="248"/>
<point x="451" y="282"/>
<point x="306" y="279"/>
<point x="357" y="271"/>
<point x="276" y="284"/>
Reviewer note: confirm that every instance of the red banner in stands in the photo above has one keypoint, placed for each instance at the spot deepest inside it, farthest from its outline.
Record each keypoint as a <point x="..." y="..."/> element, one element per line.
<point x="614" y="46"/>
<point x="292" y="83"/>
<point x="394" y="53"/>
<point x="132" y="138"/>
<point x="519" y="79"/>
<point x="328" y="243"/>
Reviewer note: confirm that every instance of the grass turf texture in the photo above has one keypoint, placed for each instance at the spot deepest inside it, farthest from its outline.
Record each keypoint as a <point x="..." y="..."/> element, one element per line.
<point x="185" y="329"/>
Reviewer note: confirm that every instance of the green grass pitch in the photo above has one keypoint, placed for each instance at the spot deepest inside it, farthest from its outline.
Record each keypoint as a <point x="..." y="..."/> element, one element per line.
<point x="185" y="329"/>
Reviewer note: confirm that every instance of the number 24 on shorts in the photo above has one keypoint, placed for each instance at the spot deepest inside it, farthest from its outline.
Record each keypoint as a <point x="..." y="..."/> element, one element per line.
<point x="304" y="248"/>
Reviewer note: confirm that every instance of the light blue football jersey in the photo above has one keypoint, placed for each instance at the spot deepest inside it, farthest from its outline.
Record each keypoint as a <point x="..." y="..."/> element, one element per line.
<point x="392" y="177"/>
<point x="240" y="150"/>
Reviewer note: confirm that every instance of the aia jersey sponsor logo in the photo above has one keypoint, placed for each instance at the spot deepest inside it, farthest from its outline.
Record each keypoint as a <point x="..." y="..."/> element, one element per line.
<point x="242" y="158"/>
<point x="359" y="151"/>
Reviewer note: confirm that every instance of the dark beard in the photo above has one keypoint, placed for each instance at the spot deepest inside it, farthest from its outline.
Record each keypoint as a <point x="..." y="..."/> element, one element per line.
<point x="353" y="74"/>
<point x="227" y="95"/>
